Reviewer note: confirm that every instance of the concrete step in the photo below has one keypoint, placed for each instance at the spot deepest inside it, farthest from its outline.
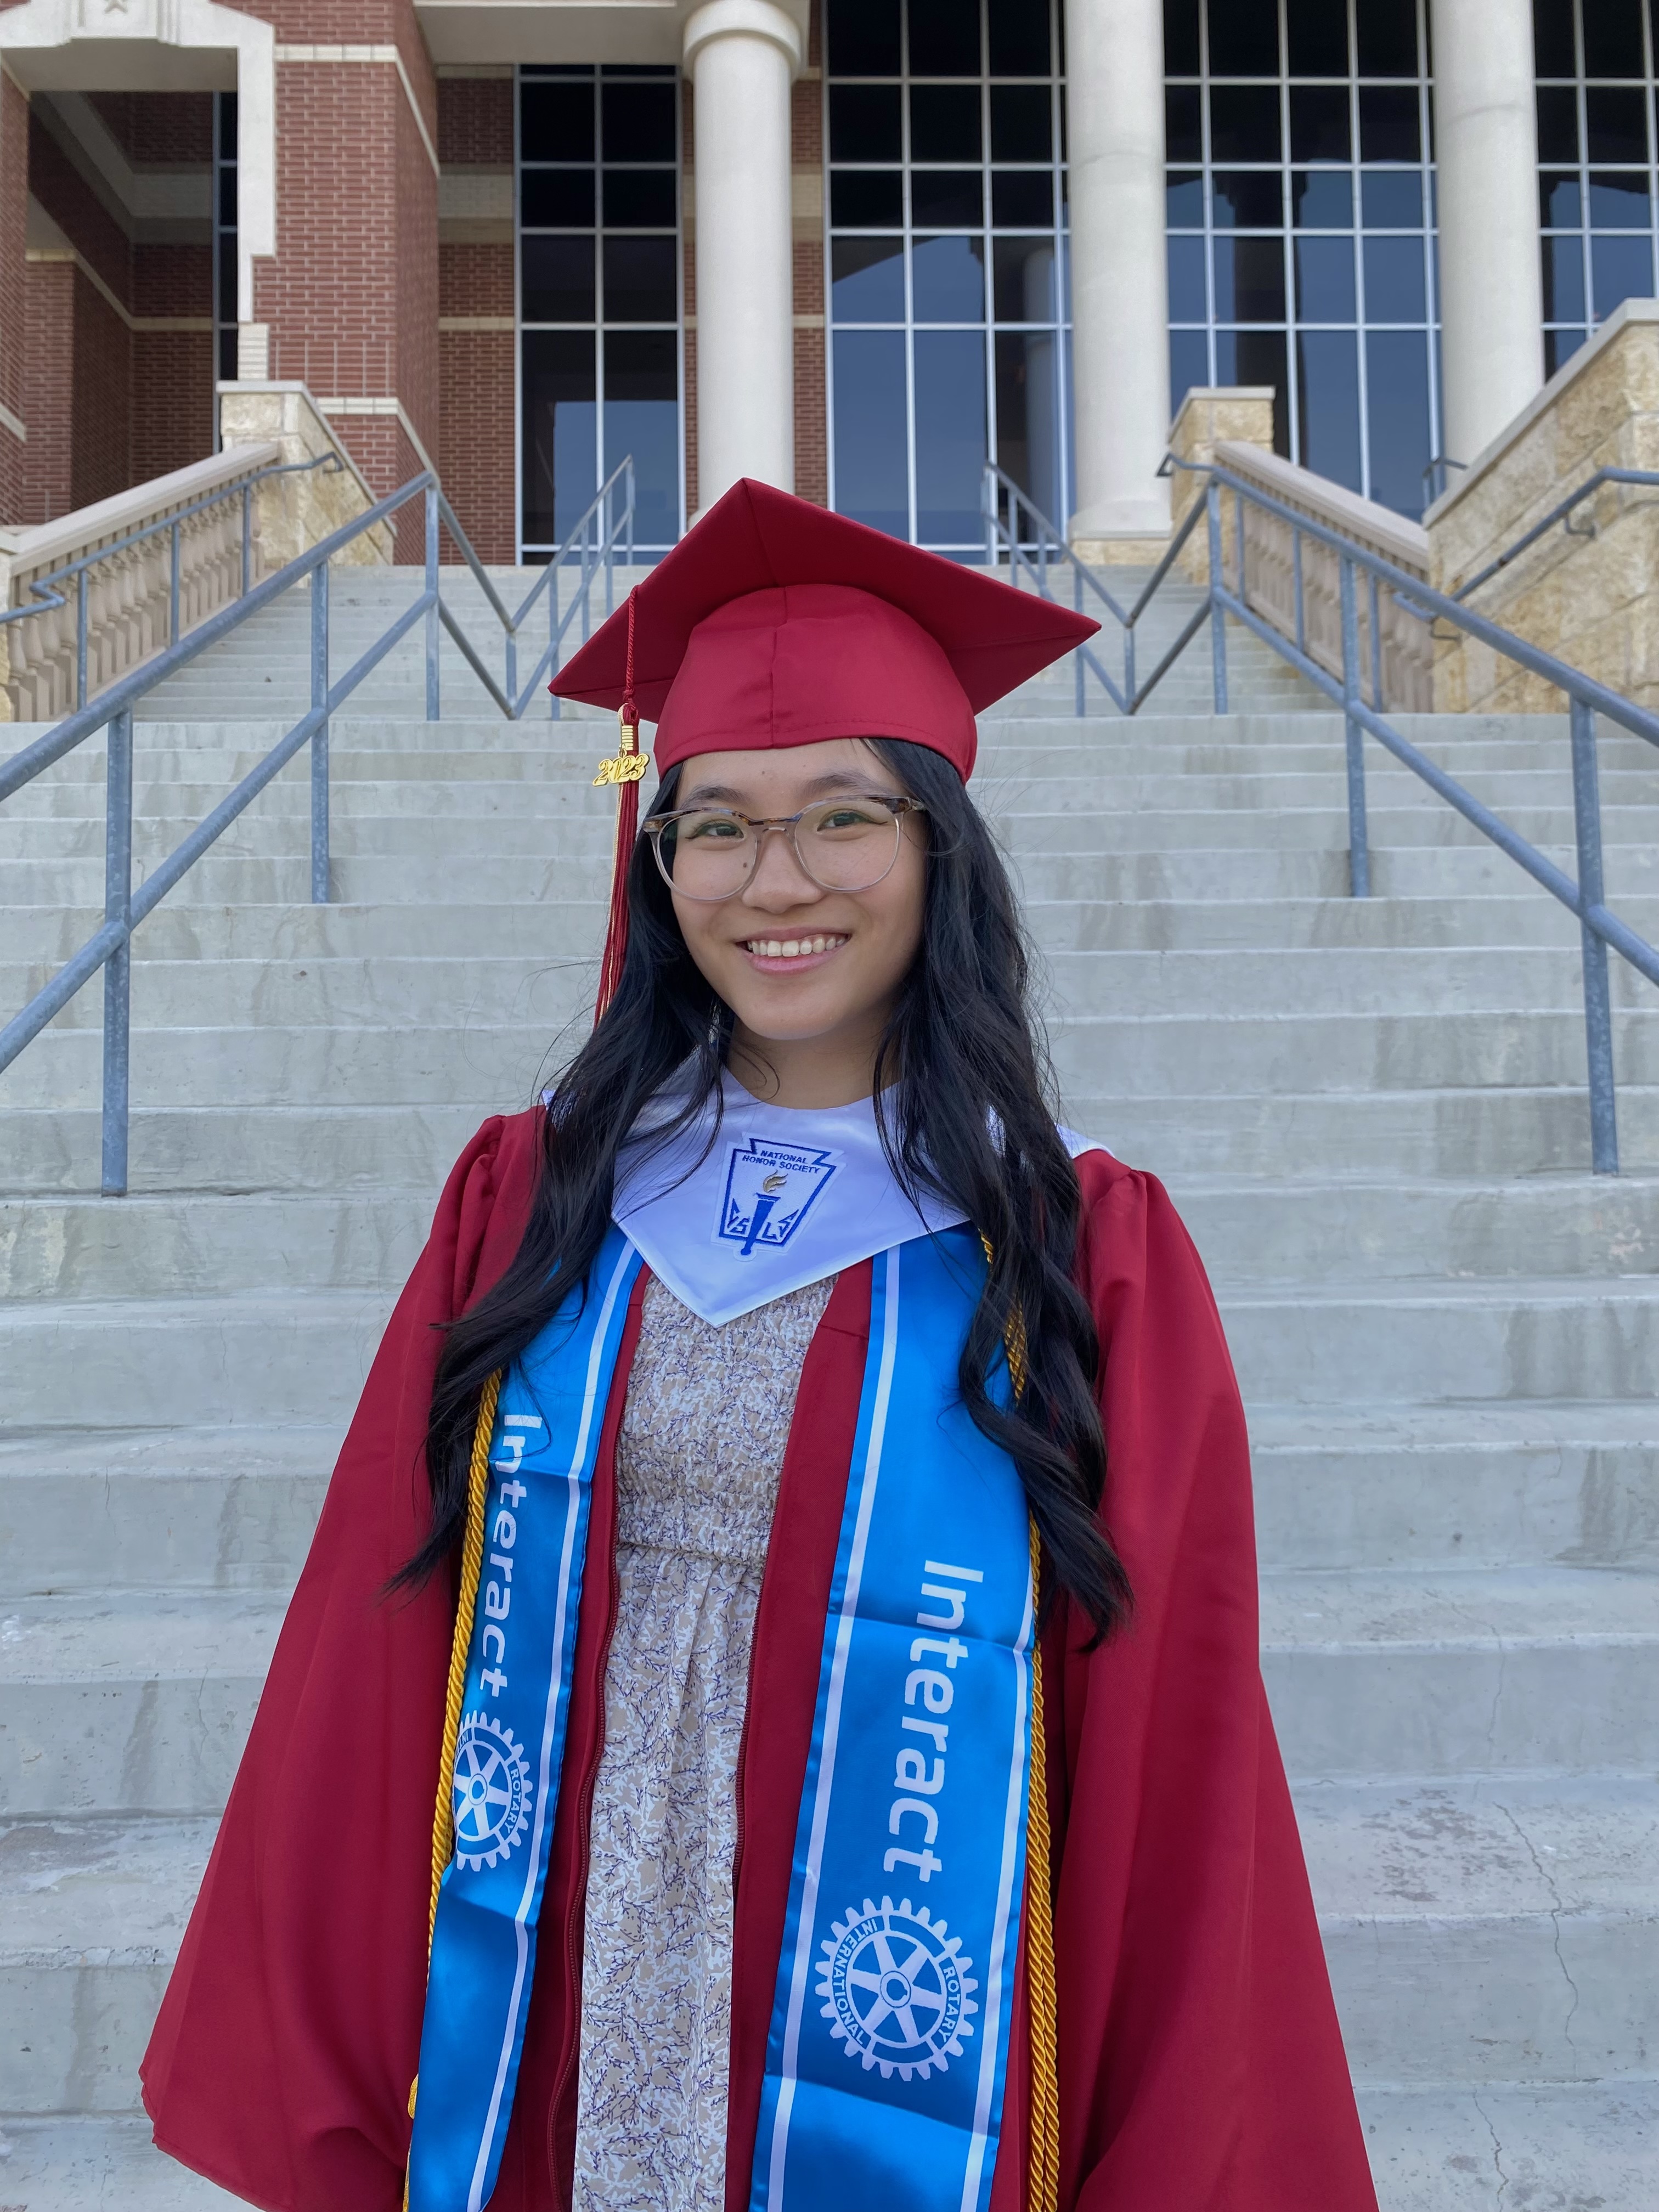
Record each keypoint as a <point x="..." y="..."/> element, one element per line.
<point x="1249" y="1232"/>
<point x="1451" y="1672"/>
<point x="1379" y="1485"/>
<point x="1552" y="2145"/>
<point x="1512" y="1953"/>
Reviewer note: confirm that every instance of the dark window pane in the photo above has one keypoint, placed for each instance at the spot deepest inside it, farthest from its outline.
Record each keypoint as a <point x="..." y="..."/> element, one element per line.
<point x="1558" y="124"/>
<point x="639" y="199"/>
<point x="864" y="37"/>
<point x="227" y="283"/>
<point x="1187" y="301"/>
<point x="1318" y="38"/>
<point x="1392" y="199"/>
<point x="555" y="121"/>
<point x="1319" y="123"/>
<point x="637" y="119"/>
<point x="1024" y="279"/>
<point x="1183" y="201"/>
<point x="866" y="280"/>
<point x="1613" y="38"/>
<point x="949" y="435"/>
<point x="1618" y="201"/>
<point x="866" y="123"/>
<point x="561" y="451"/>
<point x="1257" y="357"/>
<point x="557" y="280"/>
<point x="1621" y="268"/>
<point x="1558" y="202"/>
<point x="1552" y="38"/>
<point x="944" y="123"/>
<point x="944" y="38"/>
<point x="640" y="280"/>
<point x="1327" y="404"/>
<point x="1189" y="365"/>
<point x="1248" y="199"/>
<point x="946" y="198"/>
<point x="1243" y="37"/>
<point x="1564" y="280"/>
<point x="947" y="280"/>
<point x="1028" y="411"/>
<point x="1324" y="280"/>
<point x="1321" y="199"/>
<point x="1397" y="375"/>
<point x="1020" y="37"/>
<point x="1184" y="122"/>
<point x="1616" y="124"/>
<point x="1244" y="123"/>
<point x="643" y="418"/>
<point x="1180" y="38"/>
<point x="1021" y="199"/>
<point x="1249" y="280"/>
<point x="871" y="474"/>
<point x="228" y="196"/>
<point x="1559" y="346"/>
<point x="556" y="198"/>
<point x="1387" y="38"/>
<point x="1387" y="123"/>
<point x="867" y="200"/>
<point x="1394" y="279"/>
<point x="1021" y="122"/>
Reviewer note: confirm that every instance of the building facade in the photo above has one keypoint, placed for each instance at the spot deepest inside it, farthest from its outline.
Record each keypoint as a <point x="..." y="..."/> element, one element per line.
<point x="854" y="247"/>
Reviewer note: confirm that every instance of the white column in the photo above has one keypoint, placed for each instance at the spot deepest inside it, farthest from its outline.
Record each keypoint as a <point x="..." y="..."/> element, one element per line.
<point x="1119" y="283"/>
<point x="743" y="55"/>
<point x="1492" y="301"/>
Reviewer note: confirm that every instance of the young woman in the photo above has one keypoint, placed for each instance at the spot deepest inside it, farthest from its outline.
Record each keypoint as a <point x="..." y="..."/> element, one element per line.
<point x="799" y="1523"/>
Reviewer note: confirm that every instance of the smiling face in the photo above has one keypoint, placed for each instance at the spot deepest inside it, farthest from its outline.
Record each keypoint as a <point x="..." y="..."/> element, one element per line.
<point x="810" y="975"/>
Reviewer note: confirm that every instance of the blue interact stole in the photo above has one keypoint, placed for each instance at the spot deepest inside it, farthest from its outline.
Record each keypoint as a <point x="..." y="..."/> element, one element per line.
<point x="507" y="1760"/>
<point x="888" y="2044"/>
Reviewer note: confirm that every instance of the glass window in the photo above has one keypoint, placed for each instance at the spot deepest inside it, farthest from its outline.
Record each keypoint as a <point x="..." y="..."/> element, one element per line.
<point x="1324" y="282"/>
<point x="1558" y="124"/>
<point x="560" y="432"/>
<point x="1189" y="365"/>
<point x="640" y="119"/>
<point x="1564" y="279"/>
<point x="642" y="278"/>
<point x="1243" y="37"/>
<point x="1249" y="280"/>
<point x="1188" y="299"/>
<point x="863" y="37"/>
<point x="556" y="280"/>
<point x="1319" y="122"/>
<point x="1621" y="268"/>
<point x="639" y="199"/>
<point x="1327" y="403"/>
<point x="947" y="345"/>
<point x="1184" y="122"/>
<point x="1619" y="200"/>
<point x="1247" y="199"/>
<point x="1318" y="38"/>
<point x="555" y="119"/>
<point x="1615" y="123"/>
<point x="1244" y="123"/>
<point x="1392" y="199"/>
<point x="1321" y="199"/>
<point x="1599" y="220"/>
<point x="1613" y="40"/>
<point x="1558" y="204"/>
<point x="1397" y="377"/>
<point x="1387" y="38"/>
<point x="556" y="198"/>
<point x="1389" y="120"/>
<point x="1183" y="200"/>
<point x="1180" y="38"/>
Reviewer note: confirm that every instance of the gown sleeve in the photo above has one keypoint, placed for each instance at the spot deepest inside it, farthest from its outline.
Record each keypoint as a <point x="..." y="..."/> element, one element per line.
<point x="280" y="2061"/>
<point x="1201" y="2063"/>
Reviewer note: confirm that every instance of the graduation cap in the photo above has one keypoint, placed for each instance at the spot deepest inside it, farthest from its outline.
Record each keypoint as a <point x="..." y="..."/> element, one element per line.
<point x="777" y="622"/>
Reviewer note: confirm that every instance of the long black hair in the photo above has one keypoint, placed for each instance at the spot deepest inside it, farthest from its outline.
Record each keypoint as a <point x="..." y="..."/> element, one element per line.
<point x="967" y="1118"/>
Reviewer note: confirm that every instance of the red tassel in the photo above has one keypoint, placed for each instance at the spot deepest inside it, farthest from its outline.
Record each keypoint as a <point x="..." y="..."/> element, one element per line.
<point x="625" y="771"/>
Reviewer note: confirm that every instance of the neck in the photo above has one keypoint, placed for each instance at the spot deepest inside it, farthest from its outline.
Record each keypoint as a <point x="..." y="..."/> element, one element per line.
<point x="809" y="1073"/>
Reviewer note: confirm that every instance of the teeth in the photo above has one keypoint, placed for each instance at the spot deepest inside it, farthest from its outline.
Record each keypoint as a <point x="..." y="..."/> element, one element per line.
<point x="791" y="948"/>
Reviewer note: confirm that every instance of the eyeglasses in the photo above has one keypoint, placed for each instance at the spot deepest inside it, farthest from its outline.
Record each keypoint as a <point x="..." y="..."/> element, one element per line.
<point x="847" y="844"/>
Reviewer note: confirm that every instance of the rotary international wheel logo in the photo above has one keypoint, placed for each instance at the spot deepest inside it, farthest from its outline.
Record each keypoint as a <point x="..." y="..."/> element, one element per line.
<point x="492" y="1792"/>
<point x="895" y="1988"/>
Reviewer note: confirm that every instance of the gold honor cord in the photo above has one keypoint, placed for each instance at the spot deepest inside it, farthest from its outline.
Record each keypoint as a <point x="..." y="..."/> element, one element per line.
<point x="472" y="1546"/>
<point x="1043" y="2178"/>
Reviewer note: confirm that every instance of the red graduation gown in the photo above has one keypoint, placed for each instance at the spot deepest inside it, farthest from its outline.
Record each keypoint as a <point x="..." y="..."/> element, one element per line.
<point x="1201" y="2065"/>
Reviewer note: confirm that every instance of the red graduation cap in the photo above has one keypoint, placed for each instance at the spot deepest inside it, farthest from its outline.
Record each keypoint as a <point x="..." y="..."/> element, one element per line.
<point x="777" y="622"/>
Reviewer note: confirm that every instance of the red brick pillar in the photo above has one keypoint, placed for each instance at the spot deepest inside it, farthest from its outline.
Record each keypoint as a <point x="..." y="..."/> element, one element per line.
<point x="476" y="322"/>
<point x="14" y="298"/>
<point x="350" y="299"/>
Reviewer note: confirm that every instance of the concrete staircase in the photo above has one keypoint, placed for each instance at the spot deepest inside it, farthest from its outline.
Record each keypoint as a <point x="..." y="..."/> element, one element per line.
<point x="1372" y="1115"/>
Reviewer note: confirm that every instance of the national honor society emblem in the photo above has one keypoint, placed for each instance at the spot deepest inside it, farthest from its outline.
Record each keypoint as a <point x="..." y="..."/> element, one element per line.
<point x="896" y="1988"/>
<point x="769" y="1189"/>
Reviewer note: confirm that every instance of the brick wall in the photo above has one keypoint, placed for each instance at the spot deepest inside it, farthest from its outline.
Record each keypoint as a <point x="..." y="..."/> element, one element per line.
<point x="101" y="462"/>
<point x="475" y="122"/>
<point x="478" y="439"/>
<point x="78" y="212"/>
<point x="163" y="129"/>
<point x="475" y="286"/>
<point x="48" y="368"/>
<point x="13" y="295"/>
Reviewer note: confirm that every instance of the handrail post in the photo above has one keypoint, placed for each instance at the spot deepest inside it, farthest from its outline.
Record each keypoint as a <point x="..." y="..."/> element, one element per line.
<point x="80" y="638"/>
<point x="1296" y="587"/>
<point x="1359" y="857"/>
<point x="247" y="536"/>
<point x="553" y="634"/>
<point x="118" y="969"/>
<point x="432" y="632"/>
<point x="1598" y="1012"/>
<point x="173" y="587"/>
<point x="1218" y="613"/>
<point x="1377" y="645"/>
<point x="1238" y="534"/>
<point x="319" y="838"/>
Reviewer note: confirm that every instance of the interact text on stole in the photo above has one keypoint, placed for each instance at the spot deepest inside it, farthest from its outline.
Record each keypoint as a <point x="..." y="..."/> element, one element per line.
<point x="503" y="1536"/>
<point x="914" y="1774"/>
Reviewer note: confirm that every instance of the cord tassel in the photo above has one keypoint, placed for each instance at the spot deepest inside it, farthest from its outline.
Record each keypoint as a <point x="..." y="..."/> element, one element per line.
<point x="472" y="1547"/>
<point x="624" y="768"/>
<point x="1043" y="2186"/>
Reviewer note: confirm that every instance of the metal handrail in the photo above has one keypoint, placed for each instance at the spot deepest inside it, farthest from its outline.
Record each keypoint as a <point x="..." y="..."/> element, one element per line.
<point x="78" y="567"/>
<point x="1557" y="514"/>
<point x="606" y="524"/>
<point x="1599" y="927"/>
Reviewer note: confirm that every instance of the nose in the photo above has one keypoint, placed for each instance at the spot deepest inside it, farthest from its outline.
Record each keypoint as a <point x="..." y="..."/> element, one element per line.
<point x="779" y="882"/>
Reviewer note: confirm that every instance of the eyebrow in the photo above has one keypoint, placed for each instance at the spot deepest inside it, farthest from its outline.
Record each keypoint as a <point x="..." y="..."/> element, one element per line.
<point x="724" y="794"/>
